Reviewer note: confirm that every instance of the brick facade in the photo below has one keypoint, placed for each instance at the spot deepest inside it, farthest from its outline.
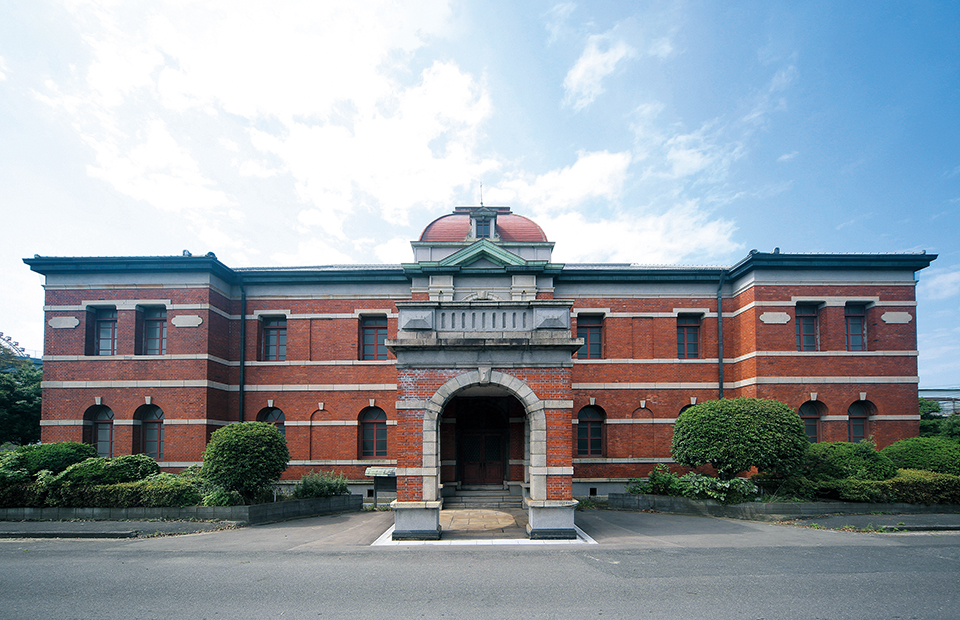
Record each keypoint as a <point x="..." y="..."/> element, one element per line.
<point x="513" y="323"/>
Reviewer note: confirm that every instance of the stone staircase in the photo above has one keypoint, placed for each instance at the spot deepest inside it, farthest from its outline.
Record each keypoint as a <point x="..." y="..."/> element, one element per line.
<point x="488" y="497"/>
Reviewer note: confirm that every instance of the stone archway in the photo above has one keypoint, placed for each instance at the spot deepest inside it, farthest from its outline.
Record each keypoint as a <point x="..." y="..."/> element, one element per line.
<point x="417" y="509"/>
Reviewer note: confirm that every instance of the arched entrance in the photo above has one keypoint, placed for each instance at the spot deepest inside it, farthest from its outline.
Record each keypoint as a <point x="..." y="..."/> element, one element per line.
<point x="545" y="476"/>
<point x="476" y="442"/>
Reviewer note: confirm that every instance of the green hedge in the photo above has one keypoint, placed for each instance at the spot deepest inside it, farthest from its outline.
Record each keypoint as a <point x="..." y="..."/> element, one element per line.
<point x="99" y="471"/>
<point x="150" y="493"/>
<point x="841" y="460"/>
<point x="54" y="457"/>
<point x="22" y="495"/>
<point x="937" y="454"/>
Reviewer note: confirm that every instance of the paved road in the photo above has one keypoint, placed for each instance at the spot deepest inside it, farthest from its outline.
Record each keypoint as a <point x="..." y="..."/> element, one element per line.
<point x="645" y="566"/>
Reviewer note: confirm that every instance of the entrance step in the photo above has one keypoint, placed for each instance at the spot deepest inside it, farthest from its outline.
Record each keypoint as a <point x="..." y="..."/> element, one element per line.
<point x="474" y="497"/>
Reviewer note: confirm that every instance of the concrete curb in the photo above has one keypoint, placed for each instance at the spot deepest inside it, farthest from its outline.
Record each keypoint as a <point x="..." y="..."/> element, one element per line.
<point x="759" y="511"/>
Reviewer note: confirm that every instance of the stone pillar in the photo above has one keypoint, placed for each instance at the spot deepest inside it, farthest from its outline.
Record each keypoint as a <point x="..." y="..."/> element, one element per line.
<point x="551" y="506"/>
<point x="416" y="511"/>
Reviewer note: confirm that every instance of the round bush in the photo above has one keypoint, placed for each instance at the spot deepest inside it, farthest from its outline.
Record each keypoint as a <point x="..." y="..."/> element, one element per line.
<point x="860" y="461"/>
<point x="245" y="458"/>
<point x="937" y="454"/>
<point x="736" y="434"/>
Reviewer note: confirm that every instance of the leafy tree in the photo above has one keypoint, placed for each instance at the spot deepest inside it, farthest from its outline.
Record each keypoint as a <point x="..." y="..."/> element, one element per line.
<point x="245" y="458"/>
<point x="929" y="409"/>
<point x="19" y="403"/>
<point x="736" y="434"/>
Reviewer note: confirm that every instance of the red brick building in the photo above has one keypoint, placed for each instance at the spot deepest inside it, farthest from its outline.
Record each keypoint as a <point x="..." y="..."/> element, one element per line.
<point x="480" y="363"/>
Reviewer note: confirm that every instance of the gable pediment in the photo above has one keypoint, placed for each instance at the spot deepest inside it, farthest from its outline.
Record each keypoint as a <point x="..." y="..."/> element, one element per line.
<point x="483" y="254"/>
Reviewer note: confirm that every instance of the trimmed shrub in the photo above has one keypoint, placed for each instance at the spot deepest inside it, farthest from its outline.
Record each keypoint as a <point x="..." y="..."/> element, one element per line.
<point x="246" y="458"/>
<point x="21" y="495"/>
<point x="322" y="484"/>
<point x="736" y="434"/>
<point x="154" y="492"/>
<point x="839" y="460"/>
<point x="55" y="457"/>
<point x="937" y="454"/>
<point x="126" y="468"/>
<point x="925" y="487"/>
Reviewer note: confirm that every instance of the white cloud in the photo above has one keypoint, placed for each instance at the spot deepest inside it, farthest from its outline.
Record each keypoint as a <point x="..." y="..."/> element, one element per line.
<point x="313" y="252"/>
<point x="413" y="151"/>
<point x="3" y="69"/>
<point x="557" y="18"/>
<point x="155" y="169"/>
<point x="584" y="81"/>
<point x="682" y="232"/>
<point x="940" y="285"/>
<point x="787" y="156"/>
<point x="593" y="175"/>
<point x="397" y="250"/>
<point x="770" y="98"/>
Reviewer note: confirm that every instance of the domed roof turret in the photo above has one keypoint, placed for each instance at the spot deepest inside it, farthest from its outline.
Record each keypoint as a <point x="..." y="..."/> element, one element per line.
<point x="458" y="226"/>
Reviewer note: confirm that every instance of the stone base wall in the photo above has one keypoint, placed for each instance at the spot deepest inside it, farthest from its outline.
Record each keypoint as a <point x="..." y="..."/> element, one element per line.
<point x="245" y="515"/>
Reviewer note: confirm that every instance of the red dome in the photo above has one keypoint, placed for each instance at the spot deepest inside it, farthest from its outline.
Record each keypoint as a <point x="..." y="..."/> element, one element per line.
<point x="510" y="227"/>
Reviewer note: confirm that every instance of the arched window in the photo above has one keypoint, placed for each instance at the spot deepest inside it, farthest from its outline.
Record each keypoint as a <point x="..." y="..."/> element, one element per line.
<point x="272" y="415"/>
<point x="590" y="431"/>
<point x="810" y="413"/>
<point x="373" y="433"/>
<point x="857" y="415"/>
<point x="151" y="430"/>
<point x="102" y="429"/>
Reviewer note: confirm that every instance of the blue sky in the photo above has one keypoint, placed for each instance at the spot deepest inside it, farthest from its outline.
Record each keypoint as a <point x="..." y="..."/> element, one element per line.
<point x="320" y="133"/>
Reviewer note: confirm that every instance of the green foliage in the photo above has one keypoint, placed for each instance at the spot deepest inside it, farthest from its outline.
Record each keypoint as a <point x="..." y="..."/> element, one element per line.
<point x="20" y="403"/>
<point x="736" y="434"/>
<point x="924" y="487"/>
<point x="55" y="457"/>
<point x="929" y="409"/>
<point x="219" y="497"/>
<point x="155" y="491"/>
<point x="733" y="491"/>
<point x="97" y="470"/>
<point x="697" y="486"/>
<point x="322" y="484"/>
<point x="246" y="458"/>
<point x="839" y="460"/>
<point x="937" y="454"/>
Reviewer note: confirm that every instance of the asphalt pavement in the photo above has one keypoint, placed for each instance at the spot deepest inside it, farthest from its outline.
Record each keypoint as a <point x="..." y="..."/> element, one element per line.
<point x="458" y="524"/>
<point x="638" y="565"/>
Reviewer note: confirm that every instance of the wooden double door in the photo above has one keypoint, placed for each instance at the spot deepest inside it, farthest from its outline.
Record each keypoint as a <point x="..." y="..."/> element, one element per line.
<point x="482" y="457"/>
<point x="483" y="440"/>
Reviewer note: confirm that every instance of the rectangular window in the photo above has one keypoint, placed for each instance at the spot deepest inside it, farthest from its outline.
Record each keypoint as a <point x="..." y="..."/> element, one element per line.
<point x="688" y="336"/>
<point x="855" y="319"/>
<point x="154" y="331"/>
<point x="590" y="328"/>
<point x="590" y="438"/>
<point x="807" y="328"/>
<point x="274" y="339"/>
<point x="105" y="332"/>
<point x="483" y="229"/>
<point x="373" y="336"/>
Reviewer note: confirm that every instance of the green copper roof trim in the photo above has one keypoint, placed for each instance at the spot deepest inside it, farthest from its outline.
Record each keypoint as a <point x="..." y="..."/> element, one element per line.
<point x="483" y="248"/>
